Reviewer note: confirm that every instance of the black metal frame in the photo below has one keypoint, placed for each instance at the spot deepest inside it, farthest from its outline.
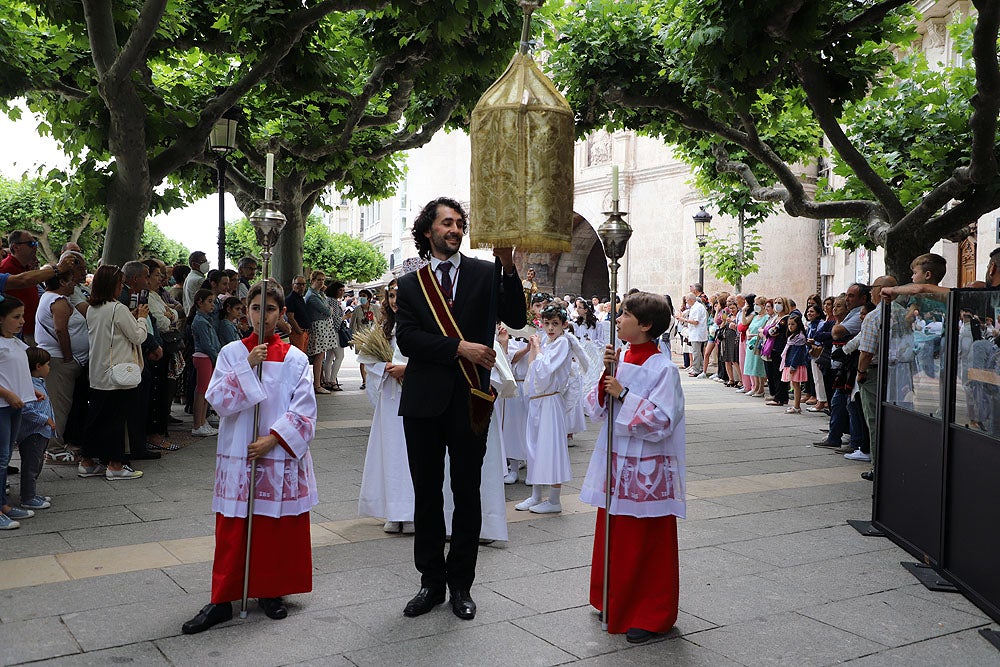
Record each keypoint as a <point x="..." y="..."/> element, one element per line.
<point x="936" y="483"/>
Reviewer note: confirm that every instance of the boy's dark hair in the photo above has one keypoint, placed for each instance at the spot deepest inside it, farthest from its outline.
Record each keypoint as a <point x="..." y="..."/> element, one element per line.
<point x="651" y="309"/>
<point x="270" y="292"/>
<point x="37" y="357"/>
<point x="934" y="263"/>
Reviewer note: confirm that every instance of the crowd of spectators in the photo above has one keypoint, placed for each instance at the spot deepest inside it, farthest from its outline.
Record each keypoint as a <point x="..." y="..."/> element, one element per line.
<point x="121" y="346"/>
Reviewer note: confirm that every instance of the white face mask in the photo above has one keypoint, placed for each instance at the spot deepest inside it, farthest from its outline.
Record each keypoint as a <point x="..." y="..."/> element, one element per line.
<point x="757" y="308"/>
<point x="205" y="266"/>
<point x="778" y="308"/>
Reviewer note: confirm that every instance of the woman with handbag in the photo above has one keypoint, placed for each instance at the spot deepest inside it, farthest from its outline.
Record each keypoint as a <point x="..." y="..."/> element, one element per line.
<point x="322" y="334"/>
<point x="115" y="337"/>
<point x="335" y="355"/>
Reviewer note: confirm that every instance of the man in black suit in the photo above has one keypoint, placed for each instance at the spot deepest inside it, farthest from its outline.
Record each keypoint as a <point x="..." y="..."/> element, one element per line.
<point x="436" y="394"/>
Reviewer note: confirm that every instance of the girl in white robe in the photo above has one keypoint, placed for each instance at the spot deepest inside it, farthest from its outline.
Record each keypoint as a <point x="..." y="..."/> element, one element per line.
<point x="386" y="486"/>
<point x="548" y="375"/>
<point x="514" y="410"/>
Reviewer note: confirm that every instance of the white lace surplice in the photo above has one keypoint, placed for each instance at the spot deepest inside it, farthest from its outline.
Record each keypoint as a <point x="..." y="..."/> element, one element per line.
<point x="648" y="447"/>
<point x="286" y="485"/>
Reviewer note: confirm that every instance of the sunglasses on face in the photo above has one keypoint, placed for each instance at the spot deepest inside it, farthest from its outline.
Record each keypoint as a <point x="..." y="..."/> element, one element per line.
<point x="30" y="244"/>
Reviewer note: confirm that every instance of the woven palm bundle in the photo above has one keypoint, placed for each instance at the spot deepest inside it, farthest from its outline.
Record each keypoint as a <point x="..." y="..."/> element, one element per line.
<point x="522" y="163"/>
<point x="371" y="342"/>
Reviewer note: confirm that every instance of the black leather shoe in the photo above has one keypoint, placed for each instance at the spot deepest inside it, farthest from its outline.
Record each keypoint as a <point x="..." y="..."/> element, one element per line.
<point x="638" y="635"/>
<point x="868" y="475"/>
<point x="273" y="608"/>
<point x="423" y="602"/>
<point x="145" y="456"/>
<point x="210" y="614"/>
<point x="463" y="605"/>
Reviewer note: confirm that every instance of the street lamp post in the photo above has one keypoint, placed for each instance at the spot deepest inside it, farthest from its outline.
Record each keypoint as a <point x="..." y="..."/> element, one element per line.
<point x="222" y="141"/>
<point x="702" y="219"/>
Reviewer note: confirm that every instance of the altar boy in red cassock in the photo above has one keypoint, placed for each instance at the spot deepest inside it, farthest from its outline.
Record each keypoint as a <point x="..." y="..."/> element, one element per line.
<point x="647" y="487"/>
<point x="281" y="553"/>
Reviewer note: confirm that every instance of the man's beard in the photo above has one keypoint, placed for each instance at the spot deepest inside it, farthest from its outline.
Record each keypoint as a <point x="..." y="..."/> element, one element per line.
<point x="439" y="244"/>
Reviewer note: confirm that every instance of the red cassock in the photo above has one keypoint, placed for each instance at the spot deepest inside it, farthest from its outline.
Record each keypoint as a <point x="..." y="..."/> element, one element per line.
<point x="280" y="557"/>
<point x="644" y="585"/>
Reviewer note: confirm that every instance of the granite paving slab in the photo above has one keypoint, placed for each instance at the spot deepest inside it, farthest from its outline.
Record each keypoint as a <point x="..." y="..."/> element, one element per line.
<point x="145" y="654"/>
<point x="549" y="591"/>
<point x="37" y="639"/>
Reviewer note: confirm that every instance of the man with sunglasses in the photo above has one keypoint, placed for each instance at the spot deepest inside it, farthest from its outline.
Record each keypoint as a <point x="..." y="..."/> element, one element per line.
<point x="23" y="257"/>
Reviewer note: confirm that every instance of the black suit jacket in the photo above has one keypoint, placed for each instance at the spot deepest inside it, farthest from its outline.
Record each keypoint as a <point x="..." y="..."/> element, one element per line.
<point x="432" y="366"/>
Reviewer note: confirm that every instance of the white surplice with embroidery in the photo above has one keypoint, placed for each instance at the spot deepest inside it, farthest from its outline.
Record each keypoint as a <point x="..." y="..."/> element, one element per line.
<point x="648" y="447"/>
<point x="514" y="410"/>
<point x="286" y="485"/>
<point x="386" y="486"/>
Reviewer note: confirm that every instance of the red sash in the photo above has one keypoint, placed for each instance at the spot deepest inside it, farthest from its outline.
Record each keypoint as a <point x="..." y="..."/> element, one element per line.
<point x="480" y="402"/>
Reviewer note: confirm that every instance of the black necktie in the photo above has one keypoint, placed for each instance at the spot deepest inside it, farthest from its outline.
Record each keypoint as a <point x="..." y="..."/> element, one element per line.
<point x="446" y="289"/>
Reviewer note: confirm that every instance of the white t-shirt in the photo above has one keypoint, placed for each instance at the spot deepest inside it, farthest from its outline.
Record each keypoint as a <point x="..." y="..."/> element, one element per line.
<point x="14" y="373"/>
<point x="698" y="332"/>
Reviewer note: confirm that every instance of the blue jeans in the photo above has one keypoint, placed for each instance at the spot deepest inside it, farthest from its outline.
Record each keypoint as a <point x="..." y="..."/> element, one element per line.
<point x="10" y="419"/>
<point x="839" y="417"/>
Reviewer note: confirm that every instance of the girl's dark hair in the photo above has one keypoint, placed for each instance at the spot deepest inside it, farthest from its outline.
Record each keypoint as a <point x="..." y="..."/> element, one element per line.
<point x="37" y="357"/>
<point x="423" y="222"/>
<point x="552" y="311"/>
<point x="102" y="288"/>
<point x="55" y="282"/>
<point x="9" y="305"/>
<point x="199" y="297"/>
<point x="333" y="288"/>
<point x="794" y="317"/>
<point x="589" y="319"/>
<point x="213" y="277"/>
<point x="272" y="292"/>
<point x="230" y="302"/>
<point x="748" y="306"/>
<point x="388" y="315"/>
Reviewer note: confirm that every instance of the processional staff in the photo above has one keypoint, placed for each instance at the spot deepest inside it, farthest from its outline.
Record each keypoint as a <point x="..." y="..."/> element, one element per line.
<point x="614" y="234"/>
<point x="268" y="222"/>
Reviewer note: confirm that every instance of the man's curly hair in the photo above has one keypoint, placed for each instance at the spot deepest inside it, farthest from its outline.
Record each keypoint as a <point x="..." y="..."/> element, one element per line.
<point x="423" y="222"/>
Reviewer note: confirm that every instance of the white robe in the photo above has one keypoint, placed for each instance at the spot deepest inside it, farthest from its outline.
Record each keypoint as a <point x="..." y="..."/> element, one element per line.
<point x="573" y="395"/>
<point x="493" y="501"/>
<point x="648" y="446"/>
<point x="548" y="375"/>
<point x="286" y="485"/>
<point x="386" y="485"/>
<point x="514" y="410"/>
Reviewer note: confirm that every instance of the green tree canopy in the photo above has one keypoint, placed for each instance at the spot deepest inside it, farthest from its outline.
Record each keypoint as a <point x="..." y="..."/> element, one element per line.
<point x="754" y="91"/>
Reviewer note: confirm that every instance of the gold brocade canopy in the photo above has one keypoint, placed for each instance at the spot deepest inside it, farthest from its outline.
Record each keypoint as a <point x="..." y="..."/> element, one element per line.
<point x="522" y="163"/>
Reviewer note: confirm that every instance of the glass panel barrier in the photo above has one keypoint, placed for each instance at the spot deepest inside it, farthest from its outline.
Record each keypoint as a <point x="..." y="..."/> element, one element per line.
<point x="977" y="390"/>
<point x="916" y="344"/>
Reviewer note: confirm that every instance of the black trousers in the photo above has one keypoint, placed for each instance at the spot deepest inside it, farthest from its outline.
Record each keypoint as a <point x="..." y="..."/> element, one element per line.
<point x="427" y="439"/>
<point x="107" y="424"/>
<point x="160" y="395"/>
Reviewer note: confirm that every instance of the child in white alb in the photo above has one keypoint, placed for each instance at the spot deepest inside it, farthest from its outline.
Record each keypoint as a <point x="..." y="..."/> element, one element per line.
<point x="513" y="411"/>
<point x="548" y="375"/>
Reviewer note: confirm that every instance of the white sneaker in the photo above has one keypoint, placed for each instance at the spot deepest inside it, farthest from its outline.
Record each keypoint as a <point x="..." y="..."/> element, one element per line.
<point x="204" y="431"/>
<point x="527" y="504"/>
<point x="125" y="473"/>
<point x="858" y="455"/>
<point x="510" y="477"/>
<point x="701" y="376"/>
<point x="96" y="470"/>
<point x="392" y="527"/>
<point x="546" y="508"/>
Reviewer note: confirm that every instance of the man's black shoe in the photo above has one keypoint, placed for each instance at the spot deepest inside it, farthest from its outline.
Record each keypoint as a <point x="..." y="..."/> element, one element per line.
<point x="868" y="475"/>
<point x="826" y="443"/>
<point x="174" y="420"/>
<point x="463" y="605"/>
<point x="638" y="635"/>
<point x="145" y="456"/>
<point x="210" y="614"/>
<point x="273" y="608"/>
<point x="423" y="602"/>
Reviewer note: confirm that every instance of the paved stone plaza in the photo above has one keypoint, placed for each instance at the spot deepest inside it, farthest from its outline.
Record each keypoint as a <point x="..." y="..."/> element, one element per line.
<point x="770" y="572"/>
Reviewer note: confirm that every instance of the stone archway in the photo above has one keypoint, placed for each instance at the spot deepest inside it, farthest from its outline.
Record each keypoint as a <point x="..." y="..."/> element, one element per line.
<point x="583" y="270"/>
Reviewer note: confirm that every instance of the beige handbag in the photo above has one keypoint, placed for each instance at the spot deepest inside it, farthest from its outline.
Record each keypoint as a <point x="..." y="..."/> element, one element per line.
<point x="126" y="375"/>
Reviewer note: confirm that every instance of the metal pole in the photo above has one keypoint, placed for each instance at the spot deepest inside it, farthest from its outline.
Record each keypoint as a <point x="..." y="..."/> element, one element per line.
<point x="220" y="168"/>
<point x="610" y="445"/>
<point x="739" y="278"/>
<point x="701" y="264"/>
<point x="266" y="257"/>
